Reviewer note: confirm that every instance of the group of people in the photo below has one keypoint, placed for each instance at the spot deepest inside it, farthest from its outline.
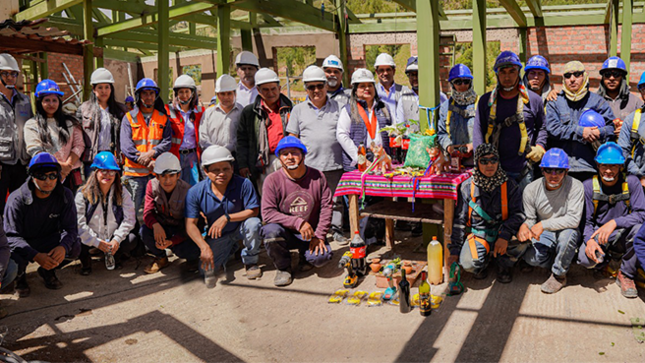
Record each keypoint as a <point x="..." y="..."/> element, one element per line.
<point x="149" y="177"/>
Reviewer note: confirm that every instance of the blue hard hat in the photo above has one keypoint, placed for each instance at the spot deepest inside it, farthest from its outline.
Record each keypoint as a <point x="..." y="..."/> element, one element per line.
<point x="537" y="62"/>
<point x="642" y="80"/>
<point x="555" y="158"/>
<point x="147" y="83"/>
<point x="129" y="99"/>
<point x="613" y="63"/>
<point x="105" y="160"/>
<point x="459" y="71"/>
<point x="610" y="153"/>
<point x="47" y="87"/>
<point x="507" y="58"/>
<point x="43" y="160"/>
<point x="290" y="141"/>
<point x="591" y="118"/>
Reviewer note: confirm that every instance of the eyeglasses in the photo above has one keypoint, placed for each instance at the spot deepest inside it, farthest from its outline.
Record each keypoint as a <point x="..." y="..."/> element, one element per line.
<point x="459" y="82"/>
<point x="612" y="73"/>
<point x="577" y="74"/>
<point x="486" y="161"/>
<point x="107" y="172"/>
<point x="43" y="177"/>
<point x="9" y="74"/>
<point x="553" y="171"/>
<point x="314" y="87"/>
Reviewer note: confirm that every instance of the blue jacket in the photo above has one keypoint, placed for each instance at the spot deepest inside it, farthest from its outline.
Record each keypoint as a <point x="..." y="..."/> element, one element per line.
<point x="636" y="163"/>
<point x="562" y="125"/>
<point x="461" y="128"/>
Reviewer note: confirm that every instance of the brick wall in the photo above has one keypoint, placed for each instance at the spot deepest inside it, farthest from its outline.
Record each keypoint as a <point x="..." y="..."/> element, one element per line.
<point x="55" y="67"/>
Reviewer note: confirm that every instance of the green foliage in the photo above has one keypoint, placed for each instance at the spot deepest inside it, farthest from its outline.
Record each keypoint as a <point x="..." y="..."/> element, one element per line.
<point x="195" y="71"/>
<point x="295" y="60"/>
<point x="400" y="53"/>
<point x="464" y="55"/>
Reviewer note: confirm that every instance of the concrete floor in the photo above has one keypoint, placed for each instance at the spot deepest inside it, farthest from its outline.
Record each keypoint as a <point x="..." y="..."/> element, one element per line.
<point x="127" y="316"/>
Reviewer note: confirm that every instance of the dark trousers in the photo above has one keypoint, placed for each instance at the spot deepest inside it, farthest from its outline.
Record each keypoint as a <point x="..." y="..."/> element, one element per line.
<point x="45" y="246"/>
<point x="279" y="241"/>
<point x="186" y="249"/>
<point x="11" y="178"/>
<point x="126" y="247"/>
<point x="621" y="242"/>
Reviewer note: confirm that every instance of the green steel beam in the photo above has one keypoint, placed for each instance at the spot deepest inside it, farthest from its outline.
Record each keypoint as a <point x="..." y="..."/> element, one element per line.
<point x="223" y="40"/>
<point x="99" y="60"/>
<point x="125" y="6"/>
<point x="514" y="11"/>
<point x="341" y="7"/>
<point x="88" y="49"/>
<point x="608" y="9"/>
<point x="121" y="43"/>
<point x="536" y="8"/>
<point x="428" y="50"/>
<point x="247" y="39"/>
<point x="352" y="17"/>
<point x="163" y="56"/>
<point x="44" y="70"/>
<point x="45" y="8"/>
<point x="613" y="27"/>
<point x="182" y="40"/>
<point x="479" y="46"/>
<point x="626" y="32"/>
<point x="289" y="9"/>
<point x="101" y="18"/>
<point x="522" y="45"/>
<point x="121" y="55"/>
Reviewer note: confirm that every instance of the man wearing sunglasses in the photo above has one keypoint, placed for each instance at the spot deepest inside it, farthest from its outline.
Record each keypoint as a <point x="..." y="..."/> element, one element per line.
<point x="562" y="121"/>
<point x="512" y="119"/>
<point x="614" y="88"/>
<point x="632" y="139"/>
<point x="15" y="110"/>
<point x="314" y="122"/>
<point x="41" y="225"/>
<point x="552" y="205"/>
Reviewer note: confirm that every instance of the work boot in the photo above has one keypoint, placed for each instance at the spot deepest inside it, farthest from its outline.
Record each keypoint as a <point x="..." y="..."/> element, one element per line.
<point x="253" y="272"/>
<point x="554" y="284"/>
<point x="340" y="239"/>
<point x="627" y="286"/>
<point x="481" y="274"/>
<point x="86" y="264"/>
<point x="504" y="275"/>
<point x="282" y="278"/>
<point x="157" y="264"/>
<point x="22" y="288"/>
<point x="51" y="281"/>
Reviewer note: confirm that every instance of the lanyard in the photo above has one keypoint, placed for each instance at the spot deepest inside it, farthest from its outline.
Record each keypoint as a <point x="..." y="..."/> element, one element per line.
<point x="370" y="124"/>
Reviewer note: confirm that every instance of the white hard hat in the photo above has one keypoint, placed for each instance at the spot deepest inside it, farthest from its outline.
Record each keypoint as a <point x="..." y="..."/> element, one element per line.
<point x="333" y="62"/>
<point x="184" y="81"/>
<point x="384" y="59"/>
<point x="101" y="75"/>
<point x="225" y="83"/>
<point x="314" y="74"/>
<point x="215" y="154"/>
<point x="362" y="75"/>
<point x="265" y="75"/>
<point x="246" y="57"/>
<point x="167" y="163"/>
<point x="8" y="63"/>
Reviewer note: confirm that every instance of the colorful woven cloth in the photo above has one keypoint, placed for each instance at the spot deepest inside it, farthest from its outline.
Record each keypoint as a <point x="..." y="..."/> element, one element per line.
<point x="442" y="186"/>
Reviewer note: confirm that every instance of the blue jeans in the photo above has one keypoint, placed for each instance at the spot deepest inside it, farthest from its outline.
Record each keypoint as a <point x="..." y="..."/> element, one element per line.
<point x="189" y="168"/>
<point x="137" y="187"/>
<point x="483" y="257"/>
<point x="10" y="273"/>
<point x="554" y="250"/>
<point x="279" y="241"/>
<point x="621" y="241"/>
<point x="248" y="232"/>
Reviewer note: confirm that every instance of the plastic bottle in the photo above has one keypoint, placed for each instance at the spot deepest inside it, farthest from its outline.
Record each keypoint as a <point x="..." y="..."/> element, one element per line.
<point x="109" y="261"/>
<point x="425" y="307"/>
<point x="435" y="262"/>
<point x="359" y="250"/>
<point x="362" y="157"/>
<point x="404" y="294"/>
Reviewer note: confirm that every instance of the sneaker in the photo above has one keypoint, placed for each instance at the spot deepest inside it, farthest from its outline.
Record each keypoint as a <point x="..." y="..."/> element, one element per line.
<point x="22" y="288"/>
<point x="504" y="275"/>
<point x="253" y="272"/>
<point x="282" y="278"/>
<point x="49" y="276"/>
<point x="342" y="240"/>
<point x="554" y="284"/>
<point x="157" y="264"/>
<point x="627" y="286"/>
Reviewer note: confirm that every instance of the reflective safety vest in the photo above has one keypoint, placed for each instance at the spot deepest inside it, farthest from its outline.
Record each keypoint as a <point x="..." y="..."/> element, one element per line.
<point x="487" y="236"/>
<point x="495" y="128"/>
<point x="145" y="137"/>
<point x="598" y="195"/>
<point x="177" y="124"/>
<point x="633" y="135"/>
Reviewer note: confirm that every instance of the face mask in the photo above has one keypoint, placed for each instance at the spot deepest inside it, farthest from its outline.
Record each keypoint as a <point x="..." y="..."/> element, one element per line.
<point x="553" y="186"/>
<point x="292" y="167"/>
<point x="42" y="191"/>
<point x="607" y="179"/>
<point x="332" y="82"/>
<point x="184" y="102"/>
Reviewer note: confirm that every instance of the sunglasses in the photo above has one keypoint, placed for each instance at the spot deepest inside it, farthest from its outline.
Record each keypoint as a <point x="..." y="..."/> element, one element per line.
<point x="577" y="74"/>
<point x="314" y="87"/>
<point x="612" y="73"/>
<point x="9" y="74"/>
<point x="107" y="172"/>
<point x="43" y="177"/>
<point x="459" y="82"/>
<point x="486" y="161"/>
<point x="553" y="171"/>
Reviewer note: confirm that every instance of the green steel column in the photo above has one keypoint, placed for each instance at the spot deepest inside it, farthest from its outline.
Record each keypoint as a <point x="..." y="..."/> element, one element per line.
<point x="613" y="27"/>
<point x="342" y="38"/>
<point x="44" y="70"/>
<point x="88" y="50"/>
<point x="626" y="32"/>
<point x="247" y="39"/>
<point x="522" y="40"/>
<point x="223" y="39"/>
<point x="479" y="46"/>
<point x="428" y="50"/>
<point x="163" y="52"/>
<point x="99" y="60"/>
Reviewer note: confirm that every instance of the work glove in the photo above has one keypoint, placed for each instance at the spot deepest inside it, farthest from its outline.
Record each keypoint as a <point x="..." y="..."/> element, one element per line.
<point x="536" y="153"/>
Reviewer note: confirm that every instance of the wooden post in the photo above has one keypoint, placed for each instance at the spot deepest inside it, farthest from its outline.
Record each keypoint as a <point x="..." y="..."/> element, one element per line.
<point x="353" y="213"/>
<point x="448" y="216"/>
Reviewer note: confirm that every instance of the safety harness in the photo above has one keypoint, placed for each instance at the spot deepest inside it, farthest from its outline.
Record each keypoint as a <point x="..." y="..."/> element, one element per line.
<point x="489" y="235"/>
<point x="495" y="128"/>
<point x="598" y="195"/>
<point x="465" y="113"/>
<point x="634" y="135"/>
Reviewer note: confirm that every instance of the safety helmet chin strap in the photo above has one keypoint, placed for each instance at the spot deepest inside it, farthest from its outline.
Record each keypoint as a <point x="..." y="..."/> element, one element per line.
<point x="292" y="167"/>
<point x="9" y="86"/>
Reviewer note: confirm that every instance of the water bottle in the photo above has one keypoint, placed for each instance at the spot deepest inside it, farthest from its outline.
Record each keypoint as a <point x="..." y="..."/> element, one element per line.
<point x="109" y="261"/>
<point x="209" y="278"/>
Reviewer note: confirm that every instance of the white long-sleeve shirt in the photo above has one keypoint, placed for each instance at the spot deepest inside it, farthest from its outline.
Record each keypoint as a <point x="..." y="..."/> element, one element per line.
<point x="97" y="229"/>
<point x="342" y="134"/>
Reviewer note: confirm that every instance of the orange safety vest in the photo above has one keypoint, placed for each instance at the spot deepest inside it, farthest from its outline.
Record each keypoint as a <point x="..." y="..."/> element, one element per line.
<point x="145" y="138"/>
<point x="177" y="124"/>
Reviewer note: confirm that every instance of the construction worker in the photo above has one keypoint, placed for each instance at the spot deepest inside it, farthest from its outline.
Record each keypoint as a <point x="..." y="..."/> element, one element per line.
<point x="490" y="203"/>
<point x="220" y="121"/>
<point x="552" y="205"/>
<point x="40" y="222"/>
<point x="631" y="139"/>
<point x="163" y="215"/>
<point x="15" y="110"/>
<point x="185" y="115"/>
<point x="145" y="134"/>
<point x="614" y="212"/>
<point x="614" y="88"/>
<point x="261" y="127"/>
<point x="247" y="65"/>
<point x="231" y="206"/>
<point x="129" y="103"/>
<point x="333" y="68"/>
<point x="457" y="115"/>
<point x="512" y="119"/>
<point x="314" y="122"/>
<point x="100" y="119"/>
<point x="407" y="108"/>
<point x="388" y="91"/>
<point x="536" y="78"/>
<point x="297" y="212"/>
<point x="565" y="114"/>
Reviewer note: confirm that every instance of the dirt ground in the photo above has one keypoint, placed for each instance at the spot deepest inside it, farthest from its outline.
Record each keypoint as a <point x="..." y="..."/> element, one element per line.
<point x="127" y="316"/>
